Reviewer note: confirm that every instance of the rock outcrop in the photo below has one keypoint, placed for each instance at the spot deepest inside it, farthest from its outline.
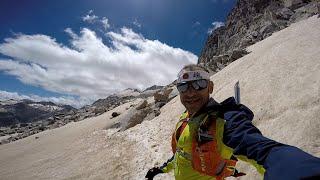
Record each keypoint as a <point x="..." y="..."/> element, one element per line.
<point x="251" y="21"/>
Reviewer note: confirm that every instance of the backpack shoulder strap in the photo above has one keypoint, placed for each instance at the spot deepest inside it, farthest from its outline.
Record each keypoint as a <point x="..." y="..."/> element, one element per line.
<point x="182" y="123"/>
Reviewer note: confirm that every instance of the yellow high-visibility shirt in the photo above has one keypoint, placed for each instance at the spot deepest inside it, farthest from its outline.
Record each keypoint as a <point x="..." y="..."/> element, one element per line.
<point x="181" y="163"/>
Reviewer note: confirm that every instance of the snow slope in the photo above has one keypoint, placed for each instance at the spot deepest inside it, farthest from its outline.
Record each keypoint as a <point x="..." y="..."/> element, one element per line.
<point x="280" y="82"/>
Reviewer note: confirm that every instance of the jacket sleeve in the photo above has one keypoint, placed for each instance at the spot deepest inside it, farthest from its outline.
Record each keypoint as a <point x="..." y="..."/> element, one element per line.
<point x="168" y="166"/>
<point x="280" y="161"/>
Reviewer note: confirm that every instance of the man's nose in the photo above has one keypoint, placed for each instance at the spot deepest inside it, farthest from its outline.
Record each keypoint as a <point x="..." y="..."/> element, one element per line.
<point x="191" y="90"/>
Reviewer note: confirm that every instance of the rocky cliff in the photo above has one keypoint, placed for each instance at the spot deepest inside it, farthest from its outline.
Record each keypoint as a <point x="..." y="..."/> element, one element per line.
<point x="251" y="21"/>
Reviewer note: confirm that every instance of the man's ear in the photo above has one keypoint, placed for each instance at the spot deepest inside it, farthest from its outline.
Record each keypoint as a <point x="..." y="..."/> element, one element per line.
<point x="211" y="86"/>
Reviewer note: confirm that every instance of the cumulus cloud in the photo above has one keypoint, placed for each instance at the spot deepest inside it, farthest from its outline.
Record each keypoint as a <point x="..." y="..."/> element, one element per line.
<point x="90" y="68"/>
<point x="105" y="23"/>
<point x="90" y="17"/>
<point x="68" y="100"/>
<point x="215" y="25"/>
<point x="70" y="33"/>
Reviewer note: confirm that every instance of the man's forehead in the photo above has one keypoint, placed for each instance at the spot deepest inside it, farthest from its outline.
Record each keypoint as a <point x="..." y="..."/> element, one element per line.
<point x="185" y="75"/>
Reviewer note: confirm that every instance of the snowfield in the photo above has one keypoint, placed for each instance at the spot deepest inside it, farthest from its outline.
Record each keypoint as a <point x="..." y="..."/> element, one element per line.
<point x="279" y="80"/>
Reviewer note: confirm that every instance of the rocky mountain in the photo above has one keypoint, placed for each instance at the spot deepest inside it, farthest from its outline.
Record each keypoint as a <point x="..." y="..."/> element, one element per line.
<point x="20" y="119"/>
<point x="128" y="92"/>
<point x="154" y="87"/>
<point x="251" y="21"/>
<point x="27" y="111"/>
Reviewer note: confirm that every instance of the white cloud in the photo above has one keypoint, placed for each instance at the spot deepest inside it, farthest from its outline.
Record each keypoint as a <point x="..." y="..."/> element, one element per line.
<point x="71" y="33"/>
<point x="90" y="68"/>
<point x="105" y="23"/>
<point x="215" y="25"/>
<point x="136" y="23"/>
<point x="69" y="100"/>
<point x="90" y="17"/>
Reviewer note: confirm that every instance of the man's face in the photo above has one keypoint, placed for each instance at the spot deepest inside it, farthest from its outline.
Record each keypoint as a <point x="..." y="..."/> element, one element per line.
<point x="193" y="99"/>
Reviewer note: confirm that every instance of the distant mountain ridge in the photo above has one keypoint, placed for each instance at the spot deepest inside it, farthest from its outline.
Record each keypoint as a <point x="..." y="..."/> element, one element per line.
<point x="22" y="118"/>
<point x="27" y="111"/>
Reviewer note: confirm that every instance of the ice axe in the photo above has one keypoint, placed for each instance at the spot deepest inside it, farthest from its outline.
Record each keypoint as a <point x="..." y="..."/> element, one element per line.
<point x="237" y="92"/>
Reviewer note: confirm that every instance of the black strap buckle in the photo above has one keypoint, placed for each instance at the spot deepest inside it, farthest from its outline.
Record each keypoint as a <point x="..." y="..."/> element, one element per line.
<point x="204" y="136"/>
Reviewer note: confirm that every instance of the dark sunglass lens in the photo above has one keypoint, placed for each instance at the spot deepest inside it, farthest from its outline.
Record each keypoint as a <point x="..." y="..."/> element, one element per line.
<point x="202" y="83"/>
<point x="182" y="87"/>
<point x="195" y="85"/>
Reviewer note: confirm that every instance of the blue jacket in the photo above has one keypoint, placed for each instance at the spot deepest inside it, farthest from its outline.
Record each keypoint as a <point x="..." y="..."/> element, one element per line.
<point x="280" y="161"/>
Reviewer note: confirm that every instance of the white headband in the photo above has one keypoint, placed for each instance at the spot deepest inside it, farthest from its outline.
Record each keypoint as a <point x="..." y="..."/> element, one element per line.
<point x="184" y="76"/>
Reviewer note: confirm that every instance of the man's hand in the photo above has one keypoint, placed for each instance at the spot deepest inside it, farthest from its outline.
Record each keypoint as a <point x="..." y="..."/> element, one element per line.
<point x="153" y="172"/>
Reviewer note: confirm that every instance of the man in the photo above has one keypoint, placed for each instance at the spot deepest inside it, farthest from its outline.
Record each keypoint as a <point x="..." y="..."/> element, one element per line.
<point x="210" y="137"/>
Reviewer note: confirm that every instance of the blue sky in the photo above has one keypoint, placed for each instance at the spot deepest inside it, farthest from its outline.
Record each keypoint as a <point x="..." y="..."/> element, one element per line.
<point x="74" y="52"/>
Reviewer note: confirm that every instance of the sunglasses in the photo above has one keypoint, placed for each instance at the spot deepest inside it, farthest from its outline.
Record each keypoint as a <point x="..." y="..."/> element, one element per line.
<point x="197" y="85"/>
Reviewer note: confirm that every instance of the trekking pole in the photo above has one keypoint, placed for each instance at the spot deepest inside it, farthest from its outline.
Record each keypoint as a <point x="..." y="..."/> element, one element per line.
<point x="237" y="92"/>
